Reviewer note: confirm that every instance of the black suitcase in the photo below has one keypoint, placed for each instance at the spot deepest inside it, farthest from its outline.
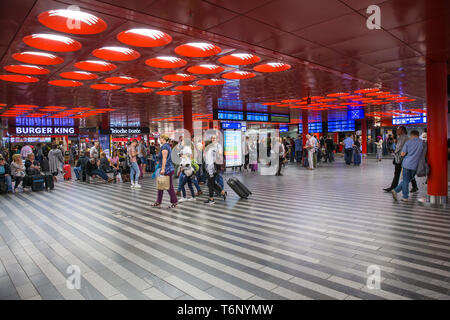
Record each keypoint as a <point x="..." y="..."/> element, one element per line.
<point x="237" y="186"/>
<point x="37" y="183"/>
<point x="27" y="181"/>
<point x="3" y="186"/>
<point x="305" y="161"/>
<point x="49" y="184"/>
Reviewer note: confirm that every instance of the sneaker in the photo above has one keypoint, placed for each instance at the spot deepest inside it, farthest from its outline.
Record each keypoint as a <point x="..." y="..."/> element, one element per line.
<point x="404" y="200"/>
<point x="137" y="185"/>
<point x="132" y="185"/>
<point x="209" y="201"/>
<point x="192" y="199"/>
<point x="387" y="190"/>
<point x="394" y="195"/>
<point x="182" y="199"/>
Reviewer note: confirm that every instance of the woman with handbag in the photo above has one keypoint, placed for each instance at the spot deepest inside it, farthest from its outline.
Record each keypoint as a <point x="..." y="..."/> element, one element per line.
<point x="165" y="181"/>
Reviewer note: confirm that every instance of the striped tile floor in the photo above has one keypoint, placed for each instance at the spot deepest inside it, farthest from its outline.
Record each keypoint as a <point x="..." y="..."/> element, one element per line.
<point x="306" y="235"/>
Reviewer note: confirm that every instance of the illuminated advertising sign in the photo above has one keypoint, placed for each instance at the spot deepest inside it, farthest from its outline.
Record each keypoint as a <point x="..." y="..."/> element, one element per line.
<point x="254" y="116"/>
<point x="313" y="127"/>
<point x="233" y="148"/>
<point x="126" y="130"/>
<point x="284" y="129"/>
<point x="36" y="131"/>
<point x="341" y="126"/>
<point x="409" y="120"/>
<point x="280" y="118"/>
<point x="231" y="125"/>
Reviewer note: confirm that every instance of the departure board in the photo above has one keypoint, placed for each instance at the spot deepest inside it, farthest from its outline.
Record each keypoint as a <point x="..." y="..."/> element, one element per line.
<point x="255" y="116"/>
<point x="341" y="126"/>
<point x="280" y="118"/>
<point x="313" y="127"/>
<point x="230" y="115"/>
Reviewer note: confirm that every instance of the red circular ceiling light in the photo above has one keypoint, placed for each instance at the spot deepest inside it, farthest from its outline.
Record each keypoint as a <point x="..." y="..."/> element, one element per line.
<point x="166" y="62"/>
<point x="272" y="67"/>
<point x="72" y="21"/>
<point x="369" y="90"/>
<point x="238" y="75"/>
<point x="157" y="84"/>
<point x="95" y="65"/>
<point x="42" y="58"/>
<point x="352" y="97"/>
<point x="26" y="106"/>
<point x="52" y="42"/>
<point x="210" y="82"/>
<point x="139" y="90"/>
<point x="144" y="38"/>
<point x="168" y="93"/>
<point x="205" y="69"/>
<point x="79" y="75"/>
<point x="239" y="59"/>
<point x="327" y="100"/>
<point x="66" y="83"/>
<point x="270" y="103"/>
<point x="18" y="78"/>
<point x="179" y="77"/>
<point x="197" y="49"/>
<point x="189" y="87"/>
<point x="105" y="86"/>
<point x="116" y="53"/>
<point x="121" y="80"/>
<point x="26" y="69"/>
<point x="291" y="100"/>
<point x="338" y="94"/>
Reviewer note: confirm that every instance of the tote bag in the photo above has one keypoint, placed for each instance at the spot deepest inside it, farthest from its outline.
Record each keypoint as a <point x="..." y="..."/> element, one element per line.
<point x="163" y="182"/>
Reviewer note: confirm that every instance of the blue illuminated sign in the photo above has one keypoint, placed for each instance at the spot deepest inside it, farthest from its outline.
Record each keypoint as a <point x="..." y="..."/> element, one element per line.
<point x="355" y="114"/>
<point x="313" y="127"/>
<point x="231" y="125"/>
<point x="409" y="120"/>
<point x="253" y="116"/>
<point x="341" y="126"/>
<point x="284" y="128"/>
<point x="230" y="115"/>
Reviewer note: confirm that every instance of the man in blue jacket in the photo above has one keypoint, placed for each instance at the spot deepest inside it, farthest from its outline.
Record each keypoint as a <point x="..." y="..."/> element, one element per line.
<point x="298" y="149"/>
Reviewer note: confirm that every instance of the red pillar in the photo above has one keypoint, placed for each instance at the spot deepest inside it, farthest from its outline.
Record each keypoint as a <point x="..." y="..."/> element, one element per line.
<point x="364" y="136"/>
<point x="437" y="113"/>
<point x="305" y="124"/>
<point x="187" y="112"/>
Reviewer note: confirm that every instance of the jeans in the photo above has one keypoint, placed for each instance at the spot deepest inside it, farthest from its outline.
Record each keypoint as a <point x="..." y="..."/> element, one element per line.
<point x="408" y="175"/>
<point x="212" y="185"/>
<point x="298" y="156"/>
<point x="187" y="180"/>
<point x="134" y="172"/>
<point x="379" y="154"/>
<point x="8" y="181"/>
<point x="219" y="180"/>
<point x="77" y="171"/>
<point x="180" y="181"/>
<point x="329" y="156"/>
<point x="247" y="160"/>
<point x="348" y="155"/>
<point x="397" y="172"/>
<point x="171" y="191"/>
<point x="99" y="172"/>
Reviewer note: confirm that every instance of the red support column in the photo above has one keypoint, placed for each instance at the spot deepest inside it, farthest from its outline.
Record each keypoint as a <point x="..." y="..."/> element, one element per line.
<point x="187" y="112"/>
<point x="437" y="113"/>
<point x="364" y="136"/>
<point x="305" y="124"/>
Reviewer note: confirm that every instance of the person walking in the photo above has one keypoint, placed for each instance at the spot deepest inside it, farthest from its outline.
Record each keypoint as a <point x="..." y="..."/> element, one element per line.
<point x="246" y="153"/>
<point x="411" y="153"/>
<point x="298" y="149"/>
<point x="281" y="155"/>
<point x="379" y="145"/>
<point x="309" y="146"/>
<point x="134" y="167"/>
<point x="213" y="158"/>
<point x="329" y="145"/>
<point x="402" y="138"/>
<point x="142" y="154"/>
<point x="56" y="161"/>
<point x="348" y="149"/>
<point x="167" y="169"/>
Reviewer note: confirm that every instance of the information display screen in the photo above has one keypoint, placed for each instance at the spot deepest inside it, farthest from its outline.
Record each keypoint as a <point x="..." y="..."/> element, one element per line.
<point x="409" y="120"/>
<point x="313" y="127"/>
<point x="355" y="114"/>
<point x="231" y="125"/>
<point x="341" y="126"/>
<point x="280" y="118"/>
<point x="233" y="148"/>
<point x="255" y="116"/>
<point x="284" y="128"/>
<point x="230" y="115"/>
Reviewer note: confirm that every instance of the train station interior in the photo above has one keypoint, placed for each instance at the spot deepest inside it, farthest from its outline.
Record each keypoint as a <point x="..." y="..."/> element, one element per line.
<point x="278" y="73"/>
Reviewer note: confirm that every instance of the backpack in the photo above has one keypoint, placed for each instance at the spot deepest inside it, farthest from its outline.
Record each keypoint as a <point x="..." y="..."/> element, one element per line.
<point x="195" y="165"/>
<point x="45" y="166"/>
<point x="422" y="168"/>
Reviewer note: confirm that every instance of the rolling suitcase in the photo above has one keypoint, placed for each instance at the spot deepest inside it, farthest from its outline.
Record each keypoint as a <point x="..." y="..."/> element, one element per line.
<point x="49" y="184"/>
<point x="357" y="158"/>
<point x="67" y="172"/>
<point x="237" y="186"/>
<point x="37" y="183"/>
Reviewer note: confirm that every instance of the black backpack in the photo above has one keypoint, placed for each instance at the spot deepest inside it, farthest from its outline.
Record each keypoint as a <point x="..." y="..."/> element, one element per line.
<point x="45" y="166"/>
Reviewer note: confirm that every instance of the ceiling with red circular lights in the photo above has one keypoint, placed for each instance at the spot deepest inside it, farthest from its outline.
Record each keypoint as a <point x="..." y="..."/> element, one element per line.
<point x="18" y="78"/>
<point x="95" y="65"/>
<point x="239" y="59"/>
<point x="188" y="87"/>
<point x="168" y="93"/>
<point x="139" y="90"/>
<point x="105" y="86"/>
<point x="66" y="83"/>
<point x="272" y="67"/>
<point x="26" y="69"/>
<point x="121" y="80"/>
<point x="79" y="75"/>
<point x="72" y="21"/>
<point x="116" y="54"/>
<point x="197" y="49"/>
<point x="144" y="37"/>
<point x="205" y="69"/>
<point x="52" y="42"/>
<point x="157" y="84"/>
<point x="238" y="75"/>
<point x="210" y="82"/>
<point x="41" y="58"/>
<point x="179" y="77"/>
<point x="166" y="62"/>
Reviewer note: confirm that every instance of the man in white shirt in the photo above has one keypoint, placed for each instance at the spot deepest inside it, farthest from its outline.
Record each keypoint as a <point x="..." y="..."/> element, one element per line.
<point x="310" y="147"/>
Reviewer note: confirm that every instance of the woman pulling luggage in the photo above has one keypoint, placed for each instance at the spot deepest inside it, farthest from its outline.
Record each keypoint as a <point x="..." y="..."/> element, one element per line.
<point x="212" y="155"/>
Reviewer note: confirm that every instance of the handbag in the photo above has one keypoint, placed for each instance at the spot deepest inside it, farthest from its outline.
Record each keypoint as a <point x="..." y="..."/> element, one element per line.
<point x="398" y="158"/>
<point x="163" y="182"/>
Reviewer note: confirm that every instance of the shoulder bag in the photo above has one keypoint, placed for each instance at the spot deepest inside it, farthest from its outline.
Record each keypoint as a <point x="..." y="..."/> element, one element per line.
<point x="163" y="182"/>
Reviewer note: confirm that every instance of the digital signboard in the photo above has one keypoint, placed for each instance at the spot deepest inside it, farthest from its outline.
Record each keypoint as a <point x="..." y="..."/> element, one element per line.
<point x="231" y="125"/>
<point x="256" y="116"/>
<point x="280" y="118"/>
<point x="230" y="115"/>
<point x="233" y="148"/>
<point x="341" y="126"/>
<point x="284" y="128"/>
<point x="409" y="120"/>
<point x="313" y="127"/>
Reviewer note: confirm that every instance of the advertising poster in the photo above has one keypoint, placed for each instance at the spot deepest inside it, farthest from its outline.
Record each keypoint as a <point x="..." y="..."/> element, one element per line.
<point x="233" y="148"/>
<point x="104" y="144"/>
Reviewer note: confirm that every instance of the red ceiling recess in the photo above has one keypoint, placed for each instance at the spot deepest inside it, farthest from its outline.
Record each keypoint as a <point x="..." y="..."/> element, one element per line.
<point x="27" y="106"/>
<point x="270" y="103"/>
<point x="3" y="104"/>
<point x="36" y="115"/>
<point x="272" y="67"/>
<point x="139" y="90"/>
<point x="315" y="97"/>
<point x="52" y="42"/>
<point x="239" y="59"/>
<point x="106" y="109"/>
<point x="374" y="94"/>
<point x="291" y="100"/>
<point x="144" y="38"/>
<point x="406" y="100"/>
<point x="364" y="99"/>
<point x="315" y="104"/>
<point x="238" y="75"/>
<point x="41" y="58"/>
<point x="18" y="78"/>
<point x="302" y="103"/>
<point x="121" y="80"/>
<point x="166" y="62"/>
<point x="54" y="108"/>
<point x="352" y="97"/>
<point x="197" y="49"/>
<point x="72" y="21"/>
<point x="157" y="84"/>
<point x="26" y="69"/>
<point x="284" y="105"/>
<point x="95" y="65"/>
<point x="116" y="53"/>
<point x="392" y="96"/>
<point x="168" y="93"/>
<point x="367" y="90"/>
<point x="66" y="83"/>
<point x="338" y="94"/>
<point x="78" y="75"/>
<point x="80" y="109"/>
<point x="189" y="87"/>
<point x="205" y="69"/>
<point x="210" y="82"/>
<point x="105" y="86"/>
<point x="327" y="100"/>
<point x="179" y="77"/>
